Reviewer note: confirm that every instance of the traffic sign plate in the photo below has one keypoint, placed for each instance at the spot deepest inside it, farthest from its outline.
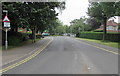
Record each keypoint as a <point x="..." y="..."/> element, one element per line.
<point x="6" y="24"/>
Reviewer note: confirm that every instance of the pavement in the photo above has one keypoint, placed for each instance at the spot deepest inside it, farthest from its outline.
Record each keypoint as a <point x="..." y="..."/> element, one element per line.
<point x="66" y="55"/>
<point x="12" y="55"/>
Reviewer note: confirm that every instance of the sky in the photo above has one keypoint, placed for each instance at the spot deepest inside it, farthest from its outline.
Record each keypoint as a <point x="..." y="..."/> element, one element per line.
<point x="74" y="10"/>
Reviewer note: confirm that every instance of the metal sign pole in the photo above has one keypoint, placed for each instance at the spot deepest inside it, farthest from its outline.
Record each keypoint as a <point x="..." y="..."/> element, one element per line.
<point x="7" y="26"/>
<point x="6" y="42"/>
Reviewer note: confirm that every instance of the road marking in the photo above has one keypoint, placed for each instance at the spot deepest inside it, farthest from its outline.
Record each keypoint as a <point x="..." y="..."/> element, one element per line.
<point x="99" y="47"/>
<point x="22" y="56"/>
<point x="26" y="59"/>
<point x="89" y="68"/>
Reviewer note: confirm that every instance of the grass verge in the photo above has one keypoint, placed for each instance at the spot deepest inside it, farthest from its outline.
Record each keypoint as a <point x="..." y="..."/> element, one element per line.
<point x="107" y="43"/>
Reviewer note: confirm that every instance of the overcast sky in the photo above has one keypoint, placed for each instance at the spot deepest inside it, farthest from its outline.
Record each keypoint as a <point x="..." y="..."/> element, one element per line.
<point x="74" y="10"/>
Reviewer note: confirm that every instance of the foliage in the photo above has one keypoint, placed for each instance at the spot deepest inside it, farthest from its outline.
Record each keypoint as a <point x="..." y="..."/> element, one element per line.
<point x="57" y="27"/>
<point x="98" y="30"/>
<point x="31" y="14"/>
<point x="14" y="38"/>
<point x="34" y="15"/>
<point x="78" y="25"/>
<point x="106" y="11"/>
<point x="93" y="23"/>
<point x="119" y="26"/>
<point x="98" y="36"/>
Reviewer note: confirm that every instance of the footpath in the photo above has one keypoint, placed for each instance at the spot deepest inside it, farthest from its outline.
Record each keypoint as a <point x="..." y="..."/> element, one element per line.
<point x="12" y="55"/>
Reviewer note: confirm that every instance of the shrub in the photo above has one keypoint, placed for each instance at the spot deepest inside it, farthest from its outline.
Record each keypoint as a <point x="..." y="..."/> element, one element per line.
<point x="38" y="36"/>
<point x="99" y="36"/>
<point x="98" y="31"/>
<point x="14" y="38"/>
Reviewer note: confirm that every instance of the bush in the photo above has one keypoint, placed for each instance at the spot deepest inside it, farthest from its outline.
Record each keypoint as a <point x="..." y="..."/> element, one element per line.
<point x="38" y="36"/>
<point x="98" y="31"/>
<point x="25" y="36"/>
<point x="14" y="38"/>
<point x="99" y="35"/>
<point x="30" y="36"/>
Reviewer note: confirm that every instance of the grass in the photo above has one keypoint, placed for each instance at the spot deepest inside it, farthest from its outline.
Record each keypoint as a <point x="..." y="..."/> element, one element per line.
<point x="101" y="32"/>
<point x="107" y="43"/>
<point x="19" y="45"/>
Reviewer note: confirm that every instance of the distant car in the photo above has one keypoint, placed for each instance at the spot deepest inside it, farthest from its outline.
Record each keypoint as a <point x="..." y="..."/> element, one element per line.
<point x="45" y="34"/>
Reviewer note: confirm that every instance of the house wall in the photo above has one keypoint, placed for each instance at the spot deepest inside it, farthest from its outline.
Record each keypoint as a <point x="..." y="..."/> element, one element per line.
<point x="114" y="28"/>
<point x="22" y="30"/>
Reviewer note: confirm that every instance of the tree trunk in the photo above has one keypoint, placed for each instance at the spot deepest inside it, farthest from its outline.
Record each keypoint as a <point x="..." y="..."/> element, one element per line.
<point x="33" y="35"/>
<point x="16" y="28"/>
<point x="104" y="29"/>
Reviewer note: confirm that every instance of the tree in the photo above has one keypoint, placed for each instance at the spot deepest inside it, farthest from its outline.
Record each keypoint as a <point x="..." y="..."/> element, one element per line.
<point x="92" y="23"/>
<point x="33" y="15"/>
<point x="78" y="25"/>
<point x="103" y="11"/>
<point x="118" y="9"/>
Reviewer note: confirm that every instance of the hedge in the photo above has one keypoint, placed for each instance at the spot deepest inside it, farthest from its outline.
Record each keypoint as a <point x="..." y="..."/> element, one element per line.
<point x="98" y="31"/>
<point x="14" y="38"/>
<point x="99" y="35"/>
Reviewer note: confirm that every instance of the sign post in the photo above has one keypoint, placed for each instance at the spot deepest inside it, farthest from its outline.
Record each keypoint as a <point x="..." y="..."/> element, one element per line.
<point x="7" y="27"/>
<point x="6" y="42"/>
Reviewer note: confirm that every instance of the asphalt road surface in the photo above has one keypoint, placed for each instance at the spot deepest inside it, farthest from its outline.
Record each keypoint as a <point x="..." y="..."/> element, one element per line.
<point x="67" y="55"/>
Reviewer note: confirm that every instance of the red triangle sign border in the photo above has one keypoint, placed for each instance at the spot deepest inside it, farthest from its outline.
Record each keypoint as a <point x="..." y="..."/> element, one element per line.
<point x="6" y="19"/>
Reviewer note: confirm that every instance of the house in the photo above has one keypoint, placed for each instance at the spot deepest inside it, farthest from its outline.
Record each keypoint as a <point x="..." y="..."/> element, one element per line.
<point x="23" y="30"/>
<point x="111" y="26"/>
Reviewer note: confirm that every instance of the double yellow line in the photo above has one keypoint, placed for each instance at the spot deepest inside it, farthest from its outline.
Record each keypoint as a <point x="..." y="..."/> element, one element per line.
<point x="100" y="48"/>
<point x="26" y="59"/>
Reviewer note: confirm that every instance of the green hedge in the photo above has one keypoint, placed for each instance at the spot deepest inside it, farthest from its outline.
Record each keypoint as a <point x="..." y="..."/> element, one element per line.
<point x="14" y="38"/>
<point x="99" y="35"/>
<point x="98" y="31"/>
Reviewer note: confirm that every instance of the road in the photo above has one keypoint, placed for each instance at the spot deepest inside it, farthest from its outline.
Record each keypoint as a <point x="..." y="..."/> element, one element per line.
<point x="65" y="55"/>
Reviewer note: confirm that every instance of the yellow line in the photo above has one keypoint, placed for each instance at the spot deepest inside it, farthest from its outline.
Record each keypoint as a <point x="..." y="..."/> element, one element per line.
<point x="100" y="48"/>
<point x="26" y="59"/>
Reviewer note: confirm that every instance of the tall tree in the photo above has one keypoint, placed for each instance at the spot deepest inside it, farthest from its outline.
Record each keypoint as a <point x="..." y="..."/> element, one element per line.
<point x="102" y="11"/>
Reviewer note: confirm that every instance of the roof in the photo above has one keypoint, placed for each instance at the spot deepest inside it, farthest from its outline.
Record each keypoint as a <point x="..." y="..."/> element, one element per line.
<point x="111" y="23"/>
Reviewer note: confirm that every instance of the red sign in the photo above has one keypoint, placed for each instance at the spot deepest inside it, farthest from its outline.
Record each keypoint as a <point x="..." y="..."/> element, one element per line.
<point x="5" y="19"/>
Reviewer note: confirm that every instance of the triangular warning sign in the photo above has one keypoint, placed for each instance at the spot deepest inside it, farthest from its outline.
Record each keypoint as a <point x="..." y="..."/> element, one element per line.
<point x="6" y="19"/>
